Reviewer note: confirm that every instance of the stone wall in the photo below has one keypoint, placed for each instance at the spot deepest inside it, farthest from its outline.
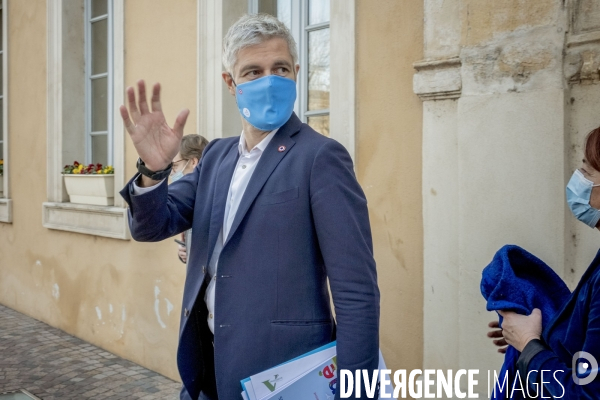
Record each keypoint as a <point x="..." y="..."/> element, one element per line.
<point x="509" y="90"/>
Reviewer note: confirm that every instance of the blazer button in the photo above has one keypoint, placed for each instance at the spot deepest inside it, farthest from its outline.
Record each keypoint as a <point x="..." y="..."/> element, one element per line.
<point x="203" y="269"/>
<point x="186" y="312"/>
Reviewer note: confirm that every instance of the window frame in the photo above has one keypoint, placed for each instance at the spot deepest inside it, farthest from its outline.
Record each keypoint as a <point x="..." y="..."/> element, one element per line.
<point x="88" y="52"/>
<point x="215" y="105"/>
<point x="58" y="213"/>
<point x="300" y="29"/>
<point x="306" y="29"/>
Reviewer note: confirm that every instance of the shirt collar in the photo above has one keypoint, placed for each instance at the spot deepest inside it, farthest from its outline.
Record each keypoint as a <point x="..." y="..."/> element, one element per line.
<point x="261" y="146"/>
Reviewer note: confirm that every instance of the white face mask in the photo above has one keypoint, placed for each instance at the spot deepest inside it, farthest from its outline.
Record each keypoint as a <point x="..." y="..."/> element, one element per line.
<point x="179" y="174"/>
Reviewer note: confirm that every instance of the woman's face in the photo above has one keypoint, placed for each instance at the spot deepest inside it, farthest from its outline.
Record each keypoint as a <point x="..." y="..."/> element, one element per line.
<point x="179" y="164"/>
<point x="590" y="173"/>
<point x="184" y="165"/>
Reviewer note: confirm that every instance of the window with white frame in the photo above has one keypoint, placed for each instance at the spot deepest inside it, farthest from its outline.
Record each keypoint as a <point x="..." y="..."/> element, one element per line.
<point x="308" y="20"/>
<point x="85" y="50"/>
<point x="98" y="82"/>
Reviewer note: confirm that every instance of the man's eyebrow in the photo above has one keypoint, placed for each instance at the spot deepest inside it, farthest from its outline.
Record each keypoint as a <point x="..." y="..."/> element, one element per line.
<point x="279" y="63"/>
<point x="249" y="67"/>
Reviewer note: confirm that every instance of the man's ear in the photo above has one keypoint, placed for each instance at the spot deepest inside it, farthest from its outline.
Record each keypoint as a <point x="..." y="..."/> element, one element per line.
<point x="194" y="161"/>
<point x="297" y="69"/>
<point x="229" y="82"/>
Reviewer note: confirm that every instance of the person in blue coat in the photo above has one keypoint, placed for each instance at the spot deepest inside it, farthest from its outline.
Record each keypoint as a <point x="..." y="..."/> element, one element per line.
<point x="567" y="348"/>
<point x="277" y="214"/>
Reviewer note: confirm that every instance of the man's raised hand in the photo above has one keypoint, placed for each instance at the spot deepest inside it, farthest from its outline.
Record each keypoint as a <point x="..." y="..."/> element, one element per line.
<point x="155" y="142"/>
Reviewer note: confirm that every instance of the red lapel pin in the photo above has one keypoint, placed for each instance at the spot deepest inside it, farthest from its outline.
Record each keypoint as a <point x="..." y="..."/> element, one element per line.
<point x="281" y="149"/>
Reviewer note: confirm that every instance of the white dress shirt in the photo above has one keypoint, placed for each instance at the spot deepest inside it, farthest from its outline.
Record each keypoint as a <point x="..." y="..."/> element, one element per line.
<point x="244" y="169"/>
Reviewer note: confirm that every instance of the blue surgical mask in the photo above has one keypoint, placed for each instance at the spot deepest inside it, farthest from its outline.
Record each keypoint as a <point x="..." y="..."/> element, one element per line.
<point x="579" y="192"/>
<point x="266" y="103"/>
<point x="179" y="174"/>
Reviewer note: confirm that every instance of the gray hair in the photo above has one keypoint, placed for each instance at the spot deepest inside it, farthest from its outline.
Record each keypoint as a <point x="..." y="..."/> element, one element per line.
<point x="253" y="29"/>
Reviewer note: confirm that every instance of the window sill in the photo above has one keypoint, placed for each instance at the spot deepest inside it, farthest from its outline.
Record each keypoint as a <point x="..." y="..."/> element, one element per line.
<point x="104" y="221"/>
<point x="6" y="210"/>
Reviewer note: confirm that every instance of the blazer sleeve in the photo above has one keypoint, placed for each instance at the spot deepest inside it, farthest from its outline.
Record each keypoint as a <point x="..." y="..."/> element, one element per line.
<point x="341" y="220"/>
<point x="165" y="211"/>
<point x="557" y="379"/>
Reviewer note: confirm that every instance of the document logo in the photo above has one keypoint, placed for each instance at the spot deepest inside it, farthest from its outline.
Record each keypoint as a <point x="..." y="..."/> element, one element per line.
<point x="585" y="368"/>
<point x="271" y="383"/>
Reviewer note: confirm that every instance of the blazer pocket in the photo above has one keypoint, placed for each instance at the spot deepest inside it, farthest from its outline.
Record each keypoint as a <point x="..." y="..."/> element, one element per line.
<point x="279" y="197"/>
<point x="301" y="322"/>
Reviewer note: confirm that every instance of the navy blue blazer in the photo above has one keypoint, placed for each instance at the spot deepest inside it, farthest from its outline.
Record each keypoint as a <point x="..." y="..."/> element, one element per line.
<point x="302" y="221"/>
<point x="576" y="328"/>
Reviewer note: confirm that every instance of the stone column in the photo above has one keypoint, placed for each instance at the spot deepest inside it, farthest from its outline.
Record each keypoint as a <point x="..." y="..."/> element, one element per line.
<point x="509" y="93"/>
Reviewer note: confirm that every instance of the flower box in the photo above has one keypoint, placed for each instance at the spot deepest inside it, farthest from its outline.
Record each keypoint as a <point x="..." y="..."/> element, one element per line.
<point x="95" y="189"/>
<point x="1" y="185"/>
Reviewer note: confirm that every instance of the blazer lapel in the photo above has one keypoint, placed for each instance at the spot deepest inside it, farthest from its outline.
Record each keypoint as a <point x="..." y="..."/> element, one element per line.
<point x="223" y="180"/>
<point x="266" y="165"/>
<point x="567" y="308"/>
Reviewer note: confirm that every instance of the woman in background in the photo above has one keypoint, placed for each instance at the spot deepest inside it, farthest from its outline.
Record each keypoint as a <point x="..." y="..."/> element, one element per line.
<point x="568" y="347"/>
<point x="190" y="152"/>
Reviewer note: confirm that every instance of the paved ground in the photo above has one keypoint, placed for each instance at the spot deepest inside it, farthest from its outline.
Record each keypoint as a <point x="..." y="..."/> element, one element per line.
<point x="54" y="365"/>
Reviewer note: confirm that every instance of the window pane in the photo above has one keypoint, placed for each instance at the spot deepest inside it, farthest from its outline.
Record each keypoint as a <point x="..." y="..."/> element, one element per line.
<point x="318" y="69"/>
<point x="267" y="7"/>
<point x="1" y="121"/>
<point x="99" y="47"/>
<point x="282" y="9"/>
<point x="100" y="149"/>
<point x="318" y="11"/>
<point x="1" y="29"/>
<point x="284" y="12"/>
<point x="320" y="124"/>
<point x="99" y="105"/>
<point x="1" y="71"/>
<point x="99" y="7"/>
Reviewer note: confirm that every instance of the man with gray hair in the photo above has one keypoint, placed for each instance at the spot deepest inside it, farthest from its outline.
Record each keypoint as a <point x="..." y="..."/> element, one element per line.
<point x="276" y="213"/>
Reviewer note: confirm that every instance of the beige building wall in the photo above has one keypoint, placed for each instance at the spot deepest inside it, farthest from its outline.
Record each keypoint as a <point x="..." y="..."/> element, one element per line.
<point x="388" y="165"/>
<point x="120" y="295"/>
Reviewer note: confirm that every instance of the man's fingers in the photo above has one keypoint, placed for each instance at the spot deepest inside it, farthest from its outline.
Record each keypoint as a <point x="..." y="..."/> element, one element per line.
<point x="135" y="113"/>
<point x="502" y="350"/>
<point x="500" y="342"/>
<point x="143" y="102"/>
<point x="156" y="98"/>
<point x="180" y="122"/>
<point x="125" y="115"/>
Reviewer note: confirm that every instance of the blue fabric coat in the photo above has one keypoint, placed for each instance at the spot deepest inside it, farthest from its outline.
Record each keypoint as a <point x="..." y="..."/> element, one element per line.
<point x="302" y="220"/>
<point x="518" y="281"/>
